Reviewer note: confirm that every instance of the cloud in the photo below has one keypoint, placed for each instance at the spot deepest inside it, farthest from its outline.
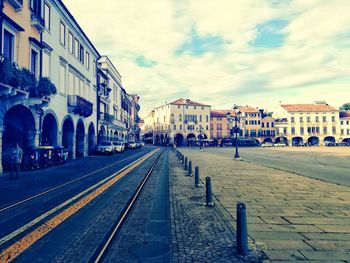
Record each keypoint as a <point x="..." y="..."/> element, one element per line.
<point x="253" y="52"/>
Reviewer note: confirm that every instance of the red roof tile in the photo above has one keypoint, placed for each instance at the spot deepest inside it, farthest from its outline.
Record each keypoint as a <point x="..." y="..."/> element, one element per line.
<point x="248" y="109"/>
<point x="308" y="107"/>
<point x="220" y="113"/>
<point x="188" y="102"/>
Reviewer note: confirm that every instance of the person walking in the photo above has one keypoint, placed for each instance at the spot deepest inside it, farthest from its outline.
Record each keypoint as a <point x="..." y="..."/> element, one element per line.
<point x="16" y="160"/>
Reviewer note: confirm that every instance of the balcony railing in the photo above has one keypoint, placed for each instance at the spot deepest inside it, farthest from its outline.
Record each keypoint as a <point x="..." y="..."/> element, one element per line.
<point x="38" y="22"/>
<point x="80" y="106"/>
<point x="17" y="4"/>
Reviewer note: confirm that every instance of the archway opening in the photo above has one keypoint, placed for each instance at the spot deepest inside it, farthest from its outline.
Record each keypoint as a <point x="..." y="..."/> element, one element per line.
<point x="49" y="130"/>
<point x="91" y="139"/>
<point x="329" y="140"/>
<point x="102" y="135"/>
<point x="268" y="140"/>
<point x="79" y="139"/>
<point x="346" y="141"/>
<point x="68" y="135"/>
<point x="297" y="141"/>
<point x="282" y="140"/>
<point x="191" y="138"/>
<point x="313" y="141"/>
<point x="19" y="127"/>
<point x="179" y="139"/>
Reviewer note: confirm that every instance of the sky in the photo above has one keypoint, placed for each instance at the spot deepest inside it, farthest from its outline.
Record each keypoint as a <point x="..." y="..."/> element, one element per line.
<point x="226" y="52"/>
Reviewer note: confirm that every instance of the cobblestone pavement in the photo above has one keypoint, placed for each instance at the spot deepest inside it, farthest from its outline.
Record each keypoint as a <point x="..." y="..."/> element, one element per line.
<point x="199" y="233"/>
<point x="290" y="217"/>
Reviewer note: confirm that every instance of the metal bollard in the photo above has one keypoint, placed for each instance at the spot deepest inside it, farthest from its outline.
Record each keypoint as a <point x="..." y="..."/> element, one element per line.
<point x="185" y="163"/>
<point x="242" y="235"/>
<point x="190" y="168"/>
<point x="182" y="158"/>
<point x="196" y="176"/>
<point x="209" y="192"/>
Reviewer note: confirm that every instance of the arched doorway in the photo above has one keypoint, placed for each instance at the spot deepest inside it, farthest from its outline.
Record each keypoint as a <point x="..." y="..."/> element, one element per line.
<point x="268" y="140"/>
<point x="157" y="140"/>
<point x="166" y="139"/>
<point x="102" y="134"/>
<point x="179" y="139"/>
<point x="312" y="141"/>
<point x="19" y="127"/>
<point x="329" y="139"/>
<point x="297" y="141"/>
<point x="79" y="139"/>
<point x="111" y="136"/>
<point x="191" y="138"/>
<point x="162" y="139"/>
<point x="115" y="136"/>
<point x="49" y="130"/>
<point x="282" y="140"/>
<point x="91" y="139"/>
<point x="68" y="135"/>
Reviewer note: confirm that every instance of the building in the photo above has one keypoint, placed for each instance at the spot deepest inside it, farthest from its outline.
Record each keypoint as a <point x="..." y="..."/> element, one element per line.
<point x="220" y="128"/>
<point x="135" y="119"/>
<point x="312" y="124"/>
<point x="110" y="119"/>
<point x="69" y="60"/>
<point x="268" y="131"/>
<point x="21" y="25"/>
<point x="250" y="122"/>
<point x="181" y="122"/>
<point x="345" y="127"/>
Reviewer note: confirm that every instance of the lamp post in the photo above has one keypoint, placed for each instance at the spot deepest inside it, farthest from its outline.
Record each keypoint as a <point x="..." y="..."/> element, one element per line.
<point x="40" y="112"/>
<point x="237" y="119"/>
<point x="200" y="130"/>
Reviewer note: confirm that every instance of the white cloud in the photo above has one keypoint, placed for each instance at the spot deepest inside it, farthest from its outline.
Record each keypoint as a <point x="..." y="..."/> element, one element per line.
<point x="315" y="54"/>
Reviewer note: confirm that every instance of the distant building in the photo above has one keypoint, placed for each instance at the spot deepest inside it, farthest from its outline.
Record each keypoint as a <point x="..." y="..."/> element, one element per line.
<point x="181" y="122"/>
<point x="312" y="124"/>
<point x="250" y="122"/>
<point x="220" y="127"/>
<point x="345" y="126"/>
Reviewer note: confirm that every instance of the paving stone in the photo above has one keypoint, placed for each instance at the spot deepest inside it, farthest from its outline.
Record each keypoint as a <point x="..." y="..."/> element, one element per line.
<point x="329" y="244"/>
<point x="326" y="255"/>
<point x="276" y="235"/>
<point x="284" y="255"/>
<point x="327" y="236"/>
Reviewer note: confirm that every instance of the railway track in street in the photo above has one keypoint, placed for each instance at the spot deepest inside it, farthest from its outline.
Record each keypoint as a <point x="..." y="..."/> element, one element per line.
<point x="103" y="249"/>
<point x="21" y="239"/>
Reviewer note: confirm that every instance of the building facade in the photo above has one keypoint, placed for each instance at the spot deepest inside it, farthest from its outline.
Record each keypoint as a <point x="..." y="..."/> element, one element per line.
<point x="220" y="128"/>
<point x="181" y="122"/>
<point x="345" y="127"/>
<point x="311" y="124"/>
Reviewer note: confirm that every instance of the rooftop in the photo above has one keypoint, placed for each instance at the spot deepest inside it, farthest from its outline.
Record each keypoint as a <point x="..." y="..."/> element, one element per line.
<point x="187" y="102"/>
<point x="220" y="113"/>
<point x="308" y="108"/>
<point x="248" y="109"/>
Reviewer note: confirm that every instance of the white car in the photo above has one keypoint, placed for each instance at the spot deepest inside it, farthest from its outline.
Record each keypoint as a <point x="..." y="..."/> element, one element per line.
<point x="280" y="144"/>
<point x="267" y="144"/>
<point x="118" y="147"/>
<point x="105" y="148"/>
<point x="132" y="145"/>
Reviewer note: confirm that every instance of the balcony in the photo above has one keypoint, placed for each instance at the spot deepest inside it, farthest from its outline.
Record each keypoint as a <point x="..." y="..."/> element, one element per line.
<point x="79" y="106"/>
<point x="17" y="4"/>
<point x="38" y="22"/>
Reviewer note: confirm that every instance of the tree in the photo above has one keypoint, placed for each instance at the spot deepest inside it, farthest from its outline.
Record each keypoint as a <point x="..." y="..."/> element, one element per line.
<point x="346" y="106"/>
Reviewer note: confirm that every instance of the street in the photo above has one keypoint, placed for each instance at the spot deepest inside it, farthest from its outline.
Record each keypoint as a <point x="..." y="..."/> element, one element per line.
<point x="324" y="163"/>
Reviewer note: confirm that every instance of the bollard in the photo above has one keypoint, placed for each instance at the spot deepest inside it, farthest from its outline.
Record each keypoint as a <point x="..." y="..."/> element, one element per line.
<point x="209" y="192"/>
<point x="183" y="159"/>
<point x="196" y="176"/>
<point x="190" y="168"/>
<point x="185" y="163"/>
<point x="242" y="236"/>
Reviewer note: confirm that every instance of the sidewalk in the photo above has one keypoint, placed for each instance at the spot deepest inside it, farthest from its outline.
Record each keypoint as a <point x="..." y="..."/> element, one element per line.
<point x="199" y="233"/>
<point x="290" y="217"/>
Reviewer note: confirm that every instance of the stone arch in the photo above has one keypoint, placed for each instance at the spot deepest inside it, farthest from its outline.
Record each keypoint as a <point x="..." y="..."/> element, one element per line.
<point x="297" y="141"/>
<point x="329" y="139"/>
<point x="49" y="128"/>
<point x="179" y="139"/>
<point x="313" y="140"/>
<point x="191" y="138"/>
<point x="346" y="141"/>
<point x="102" y="134"/>
<point x="91" y="138"/>
<point x="268" y="140"/>
<point x="68" y="135"/>
<point x="80" y="139"/>
<point x="282" y="140"/>
<point x="19" y="127"/>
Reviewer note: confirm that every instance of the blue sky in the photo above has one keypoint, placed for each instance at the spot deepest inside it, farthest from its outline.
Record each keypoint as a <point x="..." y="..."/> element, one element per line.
<point x="251" y="52"/>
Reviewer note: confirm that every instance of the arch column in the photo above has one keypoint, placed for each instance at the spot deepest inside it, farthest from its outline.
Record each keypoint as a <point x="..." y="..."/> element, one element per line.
<point x="2" y="128"/>
<point x="59" y="138"/>
<point x="74" y="146"/>
<point x="86" y="145"/>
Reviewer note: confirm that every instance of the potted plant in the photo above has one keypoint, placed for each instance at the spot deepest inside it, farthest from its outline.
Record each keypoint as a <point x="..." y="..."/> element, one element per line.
<point x="46" y="87"/>
<point x="7" y="73"/>
<point x="28" y="82"/>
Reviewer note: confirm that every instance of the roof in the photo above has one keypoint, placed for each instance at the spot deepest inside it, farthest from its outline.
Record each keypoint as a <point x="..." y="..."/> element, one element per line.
<point x="308" y="108"/>
<point x="248" y="109"/>
<point x="220" y="113"/>
<point x="187" y="102"/>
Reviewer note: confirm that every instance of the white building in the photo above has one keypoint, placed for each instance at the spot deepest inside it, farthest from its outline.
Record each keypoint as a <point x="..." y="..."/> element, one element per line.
<point x="345" y="126"/>
<point x="180" y="122"/>
<point x="314" y="124"/>
<point x="69" y="60"/>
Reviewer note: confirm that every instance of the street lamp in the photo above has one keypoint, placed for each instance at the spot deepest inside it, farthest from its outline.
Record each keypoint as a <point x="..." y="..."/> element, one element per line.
<point x="237" y="119"/>
<point x="200" y="130"/>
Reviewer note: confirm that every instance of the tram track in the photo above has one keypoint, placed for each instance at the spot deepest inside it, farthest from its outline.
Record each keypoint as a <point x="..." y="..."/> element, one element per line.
<point x="18" y="203"/>
<point x="103" y="248"/>
<point x="58" y="214"/>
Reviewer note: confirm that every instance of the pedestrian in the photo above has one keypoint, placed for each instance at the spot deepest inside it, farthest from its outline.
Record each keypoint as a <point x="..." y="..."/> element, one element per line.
<point x="16" y="160"/>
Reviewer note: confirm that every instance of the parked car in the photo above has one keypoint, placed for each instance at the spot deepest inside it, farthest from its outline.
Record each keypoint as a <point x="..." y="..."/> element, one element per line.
<point x="118" y="147"/>
<point x="267" y="144"/>
<point x="138" y="145"/>
<point x="132" y="145"/>
<point x="105" y="148"/>
<point x="279" y="144"/>
<point x="142" y="143"/>
<point x="60" y="154"/>
<point x="46" y="156"/>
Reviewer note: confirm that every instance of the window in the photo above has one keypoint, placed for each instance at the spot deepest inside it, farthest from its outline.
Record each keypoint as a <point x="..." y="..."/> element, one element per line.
<point x="87" y="61"/>
<point x="325" y="130"/>
<point x="334" y="130"/>
<point x="207" y="118"/>
<point x="317" y="119"/>
<point x="35" y="6"/>
<point x="324" y="118"/>
<point x="76" y="48"/>
<point x="71" y="83"/>
<point x="62" y="34"/>
<point x="180" y="126"/>
<point x="34" y="62"/>
<point x="70" y="43"/>
<point x="342" y="131"/>
<point x="333" y="118"/>
<point x="292" y="119"/>
<point x="82" y="54"/>
<point x="301" y="119"/>
<point x="47" y="17"/>
<point x="308" y="118"/>
<point x="8" y="45"/>
<point x="302" y="130"/>
<point x="180" y="117"/>
<point x="62" y="87"/>
<point x="46" y="65"/>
